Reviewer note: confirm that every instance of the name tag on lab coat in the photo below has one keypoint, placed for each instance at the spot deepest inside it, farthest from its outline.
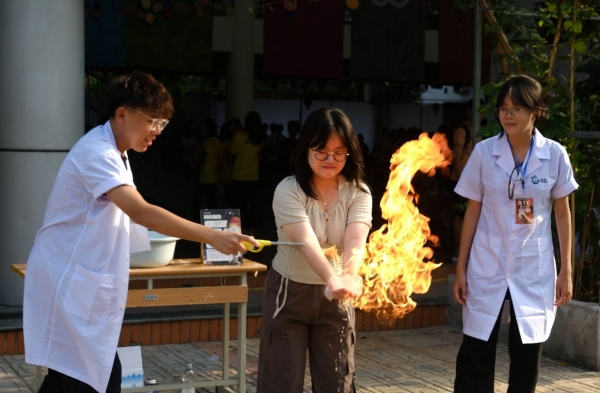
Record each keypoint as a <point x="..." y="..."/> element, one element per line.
<point x="524" y="211"/>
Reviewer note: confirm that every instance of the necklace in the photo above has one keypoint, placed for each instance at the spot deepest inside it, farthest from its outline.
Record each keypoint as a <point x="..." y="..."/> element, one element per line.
<point x="325" y="202"/>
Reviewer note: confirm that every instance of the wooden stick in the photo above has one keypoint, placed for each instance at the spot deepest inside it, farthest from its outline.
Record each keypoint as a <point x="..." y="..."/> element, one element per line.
<point x="503" y="61"/>
<point x="554" y="48"/>
<point x="502" y="40"/>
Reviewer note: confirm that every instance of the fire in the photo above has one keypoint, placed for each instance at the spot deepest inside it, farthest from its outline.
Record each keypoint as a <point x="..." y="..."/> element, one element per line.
<point x="394" y="265"/>
<point x="332" y="255"/>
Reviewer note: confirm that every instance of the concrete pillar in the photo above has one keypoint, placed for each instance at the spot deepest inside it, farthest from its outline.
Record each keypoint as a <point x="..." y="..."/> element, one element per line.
<point x="240" y="65"/>
<point x="42" y="115"/>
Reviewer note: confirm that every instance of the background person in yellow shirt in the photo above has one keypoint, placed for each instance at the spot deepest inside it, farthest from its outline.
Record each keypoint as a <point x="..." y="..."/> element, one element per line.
<point x="246" y="147"/>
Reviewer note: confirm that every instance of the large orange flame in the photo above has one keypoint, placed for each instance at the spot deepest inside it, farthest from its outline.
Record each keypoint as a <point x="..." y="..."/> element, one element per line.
<point x="394" y="265"/>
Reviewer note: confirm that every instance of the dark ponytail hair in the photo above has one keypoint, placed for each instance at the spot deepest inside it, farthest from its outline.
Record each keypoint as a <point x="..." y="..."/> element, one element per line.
<point x="525" y="92"/>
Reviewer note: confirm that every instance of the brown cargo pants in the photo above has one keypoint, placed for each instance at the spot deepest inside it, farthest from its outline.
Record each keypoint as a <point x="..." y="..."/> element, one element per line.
<point x="307" y="321"/>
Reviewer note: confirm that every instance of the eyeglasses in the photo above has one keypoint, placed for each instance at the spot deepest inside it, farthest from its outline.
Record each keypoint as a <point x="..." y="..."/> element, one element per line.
<point x="515" y="112"/>
<point x="339" y="156"/>
<point x="512" y="183"/>
<point x="156" y="123"/>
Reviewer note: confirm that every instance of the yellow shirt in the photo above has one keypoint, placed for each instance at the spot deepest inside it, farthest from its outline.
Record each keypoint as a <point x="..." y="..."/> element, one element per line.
<point x="211" y="150"/>
<point x="228" y="160"/>
<point x="246" y="155"/>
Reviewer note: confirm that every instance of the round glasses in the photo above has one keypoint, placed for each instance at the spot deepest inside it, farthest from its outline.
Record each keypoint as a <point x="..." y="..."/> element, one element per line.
<point x="158" y="125"/>
<point x="339" y="156"/>
<point x="515" y="112"/>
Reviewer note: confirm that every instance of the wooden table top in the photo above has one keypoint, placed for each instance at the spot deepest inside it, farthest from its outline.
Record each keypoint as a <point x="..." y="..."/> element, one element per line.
<point x="179" y="267"/>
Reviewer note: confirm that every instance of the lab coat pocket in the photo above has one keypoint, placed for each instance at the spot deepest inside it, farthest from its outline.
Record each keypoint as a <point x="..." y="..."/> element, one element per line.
<point x="89" y="294"/>
<point x="483" y="260"/>
<point x="535" y="251"/>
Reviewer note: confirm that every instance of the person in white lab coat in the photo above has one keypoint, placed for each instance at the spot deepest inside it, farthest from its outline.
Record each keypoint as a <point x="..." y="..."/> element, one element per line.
<point x="78" y="269"/>
<point x="512" y="181"/>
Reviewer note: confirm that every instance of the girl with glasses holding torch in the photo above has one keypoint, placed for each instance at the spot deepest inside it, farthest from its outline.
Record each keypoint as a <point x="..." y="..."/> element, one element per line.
<point x="326" y="203"/>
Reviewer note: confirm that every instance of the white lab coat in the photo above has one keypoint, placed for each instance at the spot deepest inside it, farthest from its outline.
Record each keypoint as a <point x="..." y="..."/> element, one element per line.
<point x="505" y="254"/>
<point x="78" y="270"/>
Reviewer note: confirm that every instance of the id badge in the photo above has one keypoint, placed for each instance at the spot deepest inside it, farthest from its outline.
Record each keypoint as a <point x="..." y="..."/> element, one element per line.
<point x="524" y="210"/>
<point x="524" y="205"/>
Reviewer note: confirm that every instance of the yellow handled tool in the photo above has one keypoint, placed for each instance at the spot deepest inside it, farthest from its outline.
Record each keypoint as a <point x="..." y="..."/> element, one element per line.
<point x="263" y="243"/>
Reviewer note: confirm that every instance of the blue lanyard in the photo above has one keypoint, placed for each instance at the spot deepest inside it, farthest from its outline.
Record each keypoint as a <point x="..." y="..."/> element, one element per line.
<point x="522" y="166"/>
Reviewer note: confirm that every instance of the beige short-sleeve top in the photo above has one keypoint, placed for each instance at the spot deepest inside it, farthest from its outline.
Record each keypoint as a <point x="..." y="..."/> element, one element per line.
<point x="292" y="205"/>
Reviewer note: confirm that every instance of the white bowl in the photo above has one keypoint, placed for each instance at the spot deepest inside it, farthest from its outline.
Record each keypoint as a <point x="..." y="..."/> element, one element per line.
<point x="160" y="253"/>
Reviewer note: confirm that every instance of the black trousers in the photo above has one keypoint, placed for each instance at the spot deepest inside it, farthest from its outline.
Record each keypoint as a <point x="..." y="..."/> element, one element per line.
<point x="476" y="361"/>
<point x="56" y="382"/>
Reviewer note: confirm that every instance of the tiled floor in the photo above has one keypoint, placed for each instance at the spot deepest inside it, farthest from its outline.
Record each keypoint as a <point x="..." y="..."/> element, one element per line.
<point x="413" y="360"/>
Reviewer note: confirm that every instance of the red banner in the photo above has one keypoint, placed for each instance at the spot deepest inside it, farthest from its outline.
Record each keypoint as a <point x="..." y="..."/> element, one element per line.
<point x="456" y="43"/>
<point x="304" y="38"/>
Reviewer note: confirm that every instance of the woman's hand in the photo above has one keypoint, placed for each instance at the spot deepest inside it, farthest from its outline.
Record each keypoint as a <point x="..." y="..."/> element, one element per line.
<point x="228" y="242"/>
<point x="564" y="289"/>
<point x="460" y="288"/>
<point x="346" y="285"/>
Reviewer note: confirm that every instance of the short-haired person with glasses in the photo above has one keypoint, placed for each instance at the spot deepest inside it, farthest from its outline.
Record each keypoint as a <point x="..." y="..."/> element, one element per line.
<point x="506" y="254"/>
<point x="305" y="299"/>
<point x="78" y="269"/>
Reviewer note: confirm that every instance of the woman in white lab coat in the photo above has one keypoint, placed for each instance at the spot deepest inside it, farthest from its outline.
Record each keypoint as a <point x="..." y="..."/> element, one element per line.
<point x="506" y="250"/>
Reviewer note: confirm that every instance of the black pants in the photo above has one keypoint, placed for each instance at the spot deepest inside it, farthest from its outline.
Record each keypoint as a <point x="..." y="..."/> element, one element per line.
<point x="56" y="382"/>
<point x="476" y="361"/>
